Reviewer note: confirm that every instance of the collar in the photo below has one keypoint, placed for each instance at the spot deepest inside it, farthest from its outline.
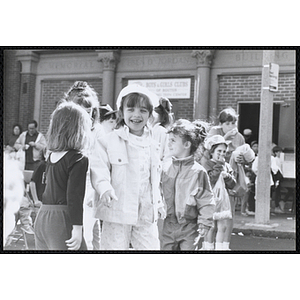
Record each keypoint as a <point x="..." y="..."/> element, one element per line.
<point x="184" y="161"/>
<point x="123" y="132"/>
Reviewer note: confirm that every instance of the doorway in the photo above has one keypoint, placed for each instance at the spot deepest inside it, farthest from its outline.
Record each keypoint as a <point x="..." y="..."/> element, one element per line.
<point x="249" y="114"/>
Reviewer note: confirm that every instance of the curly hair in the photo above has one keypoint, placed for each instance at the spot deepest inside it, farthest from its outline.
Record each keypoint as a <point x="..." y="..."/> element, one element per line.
<point x="189" y="132"/>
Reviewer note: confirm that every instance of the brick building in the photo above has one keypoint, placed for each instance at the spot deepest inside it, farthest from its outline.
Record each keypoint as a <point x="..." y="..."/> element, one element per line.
<point x="199" y="83"/>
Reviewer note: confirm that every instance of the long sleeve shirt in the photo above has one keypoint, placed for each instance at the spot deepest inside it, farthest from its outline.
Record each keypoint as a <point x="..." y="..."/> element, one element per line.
<point x="65" y="184"/>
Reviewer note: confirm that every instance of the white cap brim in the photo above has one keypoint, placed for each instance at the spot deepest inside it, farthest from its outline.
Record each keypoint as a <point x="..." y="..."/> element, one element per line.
<point x="135" y="88"/>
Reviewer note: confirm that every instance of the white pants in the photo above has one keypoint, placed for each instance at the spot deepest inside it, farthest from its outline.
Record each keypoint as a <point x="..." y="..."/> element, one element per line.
<point x="116" y="236"/>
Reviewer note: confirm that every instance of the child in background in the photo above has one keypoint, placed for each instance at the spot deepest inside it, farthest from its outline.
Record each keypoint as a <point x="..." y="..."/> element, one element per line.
<point x="186" y="188"/>
<point x="276" y="171"/>
<point x="85" y="96"/>
<point x="108" y="118"/>
<point x="201" y="150"/>
<point x="58" y="225"/>
<point x="125" y="171"/>
<point x="162" y="119"/>
<point x="216" y="166"/>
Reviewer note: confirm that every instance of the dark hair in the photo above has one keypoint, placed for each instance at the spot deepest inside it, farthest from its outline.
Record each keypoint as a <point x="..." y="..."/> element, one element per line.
<point x="228" y="115"/>
<point x="276" y="149"/>
<point x="17" y="125"/>
<point x="253" y="143"/>
<point x="33" y="122"/>
<point x="166" y="117"/>
<point x="213" y="148"/>
<point x="133" y="100"/>
<point x="106" y="114"/>
<point x="189" y="132"/>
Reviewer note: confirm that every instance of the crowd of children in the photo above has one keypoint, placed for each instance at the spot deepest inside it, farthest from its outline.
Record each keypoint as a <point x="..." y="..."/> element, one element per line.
<point x="134" y="178"/>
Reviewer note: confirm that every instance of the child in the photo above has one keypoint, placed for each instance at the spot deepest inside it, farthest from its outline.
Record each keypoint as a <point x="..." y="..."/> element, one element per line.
<point x="186" y="188"/>
<point x="216" y="166"/>
<point x="162" y="119"/>
<point x="108" y="118"/>
<point x="85" y="96"/>
<point x="58" y="225"/>
<point x="228" y="129"/>
<point x="125" y="171"/>
<point x="276" y="171"/>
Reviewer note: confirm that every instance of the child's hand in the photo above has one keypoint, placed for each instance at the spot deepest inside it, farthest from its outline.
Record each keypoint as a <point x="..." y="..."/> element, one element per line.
<point x="161" y="213"/>
<point x="108" y="197"/>
<point x="90" y="203"/>
<point x="75" y="241"/>
<point x="224" y="174"/>
<point x="230" y="134"/>
<point x="203" y="230"/>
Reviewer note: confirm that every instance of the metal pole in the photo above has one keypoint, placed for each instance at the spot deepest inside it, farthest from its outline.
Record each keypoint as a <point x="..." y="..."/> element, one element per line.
<point x="262" y="206"/>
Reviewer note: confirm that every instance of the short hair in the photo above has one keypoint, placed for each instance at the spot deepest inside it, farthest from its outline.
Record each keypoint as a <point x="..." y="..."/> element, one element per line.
<point x="33" y="122"/>
<point x="253" y="143"/>
<point x="228" y="115"/>
<point x="133" y="100"/>
<point x="188" y="132"/>
<point x="276" y="149"/>
<point x="70" y="127"/>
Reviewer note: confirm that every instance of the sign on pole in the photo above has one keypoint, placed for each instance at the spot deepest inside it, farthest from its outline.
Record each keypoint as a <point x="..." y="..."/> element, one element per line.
<point x="273" y="77"/>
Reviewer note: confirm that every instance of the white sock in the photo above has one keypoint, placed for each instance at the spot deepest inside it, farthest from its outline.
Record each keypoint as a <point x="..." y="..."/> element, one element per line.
<point x="204" y="245"/>
<point x="226" y="246"/>
<point x="209" y="246"/>
<point x="219" y="246"/>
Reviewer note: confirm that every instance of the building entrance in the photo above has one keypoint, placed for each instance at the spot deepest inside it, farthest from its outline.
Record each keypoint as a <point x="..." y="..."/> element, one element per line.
<point x="249" y="114"/>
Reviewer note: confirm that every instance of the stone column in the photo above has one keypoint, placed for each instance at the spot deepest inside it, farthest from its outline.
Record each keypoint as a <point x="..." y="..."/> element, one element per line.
<point x="29" y="61"/>
<point x="109" y="61"/>
<point x="202" y="85"/>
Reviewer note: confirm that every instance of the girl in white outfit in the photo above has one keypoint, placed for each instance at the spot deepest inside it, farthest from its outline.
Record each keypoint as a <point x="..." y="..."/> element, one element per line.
<point x="125" y="171"/>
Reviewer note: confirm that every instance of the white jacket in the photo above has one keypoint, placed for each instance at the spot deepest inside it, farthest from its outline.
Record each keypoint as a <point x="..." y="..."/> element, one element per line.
<point x="114" y="166"/>
<point x="40" y="145"/>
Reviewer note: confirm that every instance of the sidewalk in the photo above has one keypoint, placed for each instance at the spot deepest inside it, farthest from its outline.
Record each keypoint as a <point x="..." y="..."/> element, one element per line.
<point x="280" y="226"/>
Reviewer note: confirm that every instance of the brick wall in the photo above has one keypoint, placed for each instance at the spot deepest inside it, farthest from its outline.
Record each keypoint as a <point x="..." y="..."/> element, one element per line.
<point x="11" y="93"/>
<point x="186" y="106"/>
<point x="233" y="88"/>
<point x="53" y="91"/>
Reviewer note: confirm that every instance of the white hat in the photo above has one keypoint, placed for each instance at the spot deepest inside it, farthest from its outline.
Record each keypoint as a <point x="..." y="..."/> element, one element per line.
<point x="215" y="140"/>
<point x="135" y="88"/>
